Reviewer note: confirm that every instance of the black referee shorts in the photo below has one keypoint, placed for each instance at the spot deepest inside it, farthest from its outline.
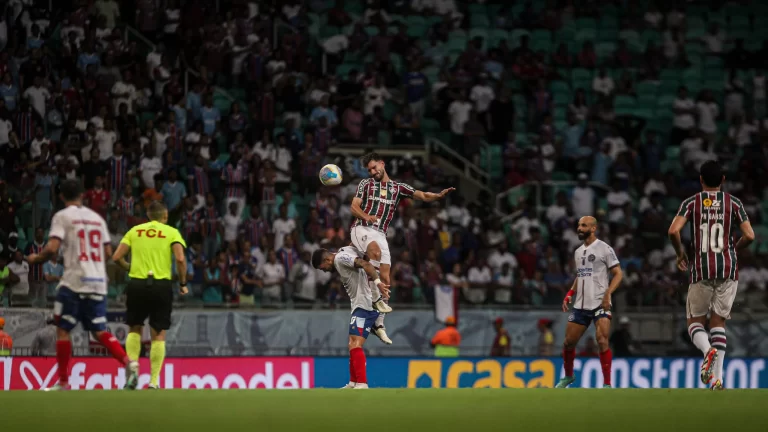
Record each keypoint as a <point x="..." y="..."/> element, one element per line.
<point x="149" y="299"/>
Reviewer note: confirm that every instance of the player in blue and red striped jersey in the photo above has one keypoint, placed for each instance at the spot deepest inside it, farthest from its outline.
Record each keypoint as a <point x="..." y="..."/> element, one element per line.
<point x="119" y="166"/>
<point x="190" y="218"/>
<point x="255" y="227"/>
<point x="235" y="178"/>
<point x="714" y="272"/>
<point x="199" y="183"/>
<point x="210" y="222"/>
<point x="126" y="202"/>
<point x="374" y="206"/>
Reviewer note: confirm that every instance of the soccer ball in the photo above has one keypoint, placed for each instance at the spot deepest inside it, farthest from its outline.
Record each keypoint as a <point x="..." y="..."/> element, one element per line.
<point x="330" y="175"/>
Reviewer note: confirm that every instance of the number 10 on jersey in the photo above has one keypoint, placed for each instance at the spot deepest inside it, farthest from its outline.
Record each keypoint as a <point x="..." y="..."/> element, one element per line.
<point x="90" y="245"/>
<point x="712" y="238"/>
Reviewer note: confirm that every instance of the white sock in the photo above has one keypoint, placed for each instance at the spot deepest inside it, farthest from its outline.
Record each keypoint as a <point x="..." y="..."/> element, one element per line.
<point x="717" y="335"/>
<point x="380" y="320"/>
<point x="699" y="337"/>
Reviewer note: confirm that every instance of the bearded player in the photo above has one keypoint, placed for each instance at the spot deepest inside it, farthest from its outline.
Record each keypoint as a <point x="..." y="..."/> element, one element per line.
<point x="714" y="273"/>
<point x="594" y="261"/>
<point x="355" y="273"/>
<point x="82" y="293"/>
<point x="374" y="206"/>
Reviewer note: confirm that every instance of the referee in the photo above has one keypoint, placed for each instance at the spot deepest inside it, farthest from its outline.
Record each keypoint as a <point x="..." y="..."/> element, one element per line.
<point x="150" y="290"/>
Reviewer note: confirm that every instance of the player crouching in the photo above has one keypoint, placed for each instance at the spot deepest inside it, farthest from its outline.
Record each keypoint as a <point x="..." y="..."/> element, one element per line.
<point x="355" y="272"/>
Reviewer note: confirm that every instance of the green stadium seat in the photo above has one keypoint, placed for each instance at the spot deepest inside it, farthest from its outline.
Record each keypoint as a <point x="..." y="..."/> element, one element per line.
<point x="479" y="21"/>
<point x="497" y="35"/>
<point x="586" y="23"/>
<point x="585" y="34"/>
<point x="580" y="74"/>
<point x="672" y="152"/>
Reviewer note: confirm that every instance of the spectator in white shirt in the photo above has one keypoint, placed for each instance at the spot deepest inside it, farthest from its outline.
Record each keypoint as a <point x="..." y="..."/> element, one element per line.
<point x="283" y="159"/>
<point x="272" y="276"/>
<point x="558" y="209"/>
<point x="232" y="222"/>
<point x="684" y="109"/>
<point x="708" y="112"/>
<point x="523" y="225"/>
<point x="459" y="111"/>
<point x="583" y="197"/>
<point x="282" y="226"/>
<point x="603" y="84"/>
<point x="740" y="133"/>
<point x="504" y="282"/>
<point x="106" y="139"/>
<point x="304" y="280"/>
<point x="501" y="256"/>
<point x="37" y="95"/>
<point x="714" y="39"/>
<point x="35" y="147"/>
<point x="375" y="96"/>
<point x="124" y="92"/>
<point x="479" y="277"/>
<point x="20" y="268"/>
<point x="150" y="166"/>
<point x="618" y="199"/>
<point x="482" y="95"/>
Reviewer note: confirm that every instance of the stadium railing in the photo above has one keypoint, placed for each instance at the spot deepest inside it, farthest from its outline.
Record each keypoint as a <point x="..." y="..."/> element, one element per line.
<point x="480" y="177"/>
<point x="539" y="191"/>
<point x="131" y="32"/>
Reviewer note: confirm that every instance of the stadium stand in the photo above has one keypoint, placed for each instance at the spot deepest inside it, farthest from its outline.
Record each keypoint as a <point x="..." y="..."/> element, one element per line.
<point x="565" y="108"/>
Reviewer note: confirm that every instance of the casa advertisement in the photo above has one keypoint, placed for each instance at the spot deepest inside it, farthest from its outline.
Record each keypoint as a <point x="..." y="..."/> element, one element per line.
<point x="662" y="372"/>
<point x="88" y="373"/>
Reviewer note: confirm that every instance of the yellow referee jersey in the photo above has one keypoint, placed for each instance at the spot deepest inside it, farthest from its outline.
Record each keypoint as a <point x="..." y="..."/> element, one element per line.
<point x="151" y="251"/>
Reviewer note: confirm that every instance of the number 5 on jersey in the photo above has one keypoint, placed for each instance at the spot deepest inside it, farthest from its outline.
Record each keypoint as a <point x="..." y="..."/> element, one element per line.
<point x="90" y="250"/>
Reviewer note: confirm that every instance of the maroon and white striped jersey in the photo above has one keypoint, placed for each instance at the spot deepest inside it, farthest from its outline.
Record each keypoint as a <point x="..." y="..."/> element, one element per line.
<point x="713" y="217"/>
<point x="381" y="199"/>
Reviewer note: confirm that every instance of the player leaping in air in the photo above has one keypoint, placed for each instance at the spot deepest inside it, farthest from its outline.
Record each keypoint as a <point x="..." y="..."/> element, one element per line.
<point x="82" y="292"/>
<point x="714" y="272"/>
<point x="594" y="260"/>
<point x="355" y="273"/>
<point x="374" y="206"/>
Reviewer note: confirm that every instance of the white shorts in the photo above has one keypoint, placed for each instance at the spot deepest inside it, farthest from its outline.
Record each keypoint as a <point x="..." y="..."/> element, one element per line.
<point x="711" y="295"/>
<point x="363" y="236"/>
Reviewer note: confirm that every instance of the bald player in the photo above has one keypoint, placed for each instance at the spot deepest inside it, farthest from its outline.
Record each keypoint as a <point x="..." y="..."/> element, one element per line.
<point x="594" y="261"/>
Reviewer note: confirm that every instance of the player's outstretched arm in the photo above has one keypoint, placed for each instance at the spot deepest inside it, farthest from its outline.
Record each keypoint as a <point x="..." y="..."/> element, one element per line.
<point x="431" y="196"/>
<point x="50" y="250"/>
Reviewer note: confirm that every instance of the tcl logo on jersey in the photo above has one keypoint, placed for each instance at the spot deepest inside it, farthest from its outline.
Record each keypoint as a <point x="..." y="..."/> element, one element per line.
<point x="151" y="233"/>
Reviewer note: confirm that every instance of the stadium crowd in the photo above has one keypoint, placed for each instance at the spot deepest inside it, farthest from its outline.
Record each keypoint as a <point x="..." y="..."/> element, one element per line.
<point x="234" y="150"/>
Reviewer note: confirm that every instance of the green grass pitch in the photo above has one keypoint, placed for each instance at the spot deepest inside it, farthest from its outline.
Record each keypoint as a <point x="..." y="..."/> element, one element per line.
<point x="466" y="410"/>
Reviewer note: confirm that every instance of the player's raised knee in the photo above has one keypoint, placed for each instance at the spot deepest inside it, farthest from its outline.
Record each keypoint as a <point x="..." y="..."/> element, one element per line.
<point x="373" y="252"/>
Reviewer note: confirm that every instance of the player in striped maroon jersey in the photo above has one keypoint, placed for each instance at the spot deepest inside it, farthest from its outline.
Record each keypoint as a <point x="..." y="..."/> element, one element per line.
<point x="714" y="273"/>
<point x="374" y="206"/>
